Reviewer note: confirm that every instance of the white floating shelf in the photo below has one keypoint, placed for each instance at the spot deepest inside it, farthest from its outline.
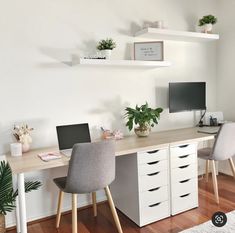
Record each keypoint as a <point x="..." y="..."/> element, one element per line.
<point x="165" y="34"/>
<point x="131" y="63"/>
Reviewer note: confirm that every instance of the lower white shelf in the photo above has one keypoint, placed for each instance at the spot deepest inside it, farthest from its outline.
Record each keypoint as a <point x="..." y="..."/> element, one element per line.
<point x="132" y="63"/>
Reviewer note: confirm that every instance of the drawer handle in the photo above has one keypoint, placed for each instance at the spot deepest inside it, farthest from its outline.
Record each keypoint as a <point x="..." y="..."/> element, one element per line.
<point x="184" y="181"/>
<point x="185" y="195"/>
<point x="184" y="166"/>
<point x="152" y="190"/>
<point x="153" y="174"/>
<point x="153" y="205"/>
<point x="183" y="156"/>
<point x="183" y="146"/>
<point x="152" y="152"/>
<point x="152" y="163"/>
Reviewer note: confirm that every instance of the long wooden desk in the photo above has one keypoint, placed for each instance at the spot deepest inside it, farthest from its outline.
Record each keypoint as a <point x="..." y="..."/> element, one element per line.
<point x="30" y="162"/>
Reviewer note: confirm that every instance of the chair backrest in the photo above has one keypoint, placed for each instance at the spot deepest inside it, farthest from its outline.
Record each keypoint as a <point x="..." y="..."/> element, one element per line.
<point x="91" y="167"/>
<point x="224" y="146"/>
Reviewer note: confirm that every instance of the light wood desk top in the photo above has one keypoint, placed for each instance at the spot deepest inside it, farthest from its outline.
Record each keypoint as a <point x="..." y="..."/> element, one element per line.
<point x="31" y="162"/>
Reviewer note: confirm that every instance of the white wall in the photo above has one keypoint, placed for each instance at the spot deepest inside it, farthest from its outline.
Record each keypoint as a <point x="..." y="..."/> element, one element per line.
<point x="225" y="65"/>
<point x="39" y="86"/>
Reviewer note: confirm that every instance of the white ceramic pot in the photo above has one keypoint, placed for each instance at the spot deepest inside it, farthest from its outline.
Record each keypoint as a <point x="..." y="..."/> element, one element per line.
<point x="107" y="53"/>
<point x="208" y="28"/>
<point x="25" y="147"/>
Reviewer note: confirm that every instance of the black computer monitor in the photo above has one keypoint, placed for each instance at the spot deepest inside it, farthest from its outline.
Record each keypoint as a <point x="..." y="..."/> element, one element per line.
<point x="187" y="96"/>
<point x="68" y="135"/>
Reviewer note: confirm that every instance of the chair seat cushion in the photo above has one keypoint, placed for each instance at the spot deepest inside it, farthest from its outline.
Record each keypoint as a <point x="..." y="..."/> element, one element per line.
<point x="60" y="182"/>
<point x="204" y="153"/>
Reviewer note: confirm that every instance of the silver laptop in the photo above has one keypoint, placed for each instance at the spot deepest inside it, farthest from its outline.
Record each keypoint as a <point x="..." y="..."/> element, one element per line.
<point x="68" y="135"/>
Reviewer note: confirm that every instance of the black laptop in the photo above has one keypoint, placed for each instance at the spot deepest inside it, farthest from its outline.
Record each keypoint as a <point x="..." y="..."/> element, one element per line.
<point x="68" y="135"/>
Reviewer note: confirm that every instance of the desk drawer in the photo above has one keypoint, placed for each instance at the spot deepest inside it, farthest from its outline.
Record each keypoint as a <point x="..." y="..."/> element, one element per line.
<point x="184" y="172"/>
<point x="184" y="202"/>
<point x="153" y="180"/>
<point x="154" y="212"/>
<point x="151" y="156"/>
<point x="183" y="187"/>
<point x="185" y="149"/>
<point x="152" y="167"/>
<point x="182" y="160"/>
<point x="153" y="196"/>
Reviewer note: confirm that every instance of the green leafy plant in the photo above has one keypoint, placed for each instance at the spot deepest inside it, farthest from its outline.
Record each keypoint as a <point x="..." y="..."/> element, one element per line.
<point x="143" y="115"/>
<point x="207" y="19"/>
<point x="7" y="193"/>
<point x="106" y="44"/>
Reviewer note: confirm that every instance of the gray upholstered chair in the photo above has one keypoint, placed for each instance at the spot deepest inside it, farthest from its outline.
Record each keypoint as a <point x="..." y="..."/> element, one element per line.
<point x="223" y="149"/>
<point x="91" y="168"/>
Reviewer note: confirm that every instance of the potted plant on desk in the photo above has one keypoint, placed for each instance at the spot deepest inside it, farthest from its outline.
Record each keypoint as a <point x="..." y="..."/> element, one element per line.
<point x="143" y="116"/>
<point x="7" y="193"/>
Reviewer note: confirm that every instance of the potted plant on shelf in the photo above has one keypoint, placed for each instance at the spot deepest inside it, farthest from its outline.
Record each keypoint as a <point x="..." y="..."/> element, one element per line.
<point x="144" y="117"/>
<point x="207" y="21"/>
<point x="7" y="193"/>
<point x="22" y="135"/>
<point x="106" y="46"/>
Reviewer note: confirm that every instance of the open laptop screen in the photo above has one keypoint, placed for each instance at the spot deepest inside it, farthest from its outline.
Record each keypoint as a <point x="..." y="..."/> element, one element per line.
<point x="68" y="135"/>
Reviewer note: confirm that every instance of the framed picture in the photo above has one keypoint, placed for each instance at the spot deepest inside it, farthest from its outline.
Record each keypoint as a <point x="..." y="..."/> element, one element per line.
<point x="149" y="51"/>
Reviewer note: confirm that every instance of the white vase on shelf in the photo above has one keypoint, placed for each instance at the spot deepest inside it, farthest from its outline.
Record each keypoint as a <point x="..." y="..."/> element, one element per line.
<point x="107" y="53"/>
<point x="208" y="28"/>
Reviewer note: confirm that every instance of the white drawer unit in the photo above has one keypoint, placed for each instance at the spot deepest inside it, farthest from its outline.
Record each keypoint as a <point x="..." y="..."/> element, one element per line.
<point x="151" y="167"/>
<point x="184" y="202"/>
<point x="183" y="172"/>
<point x="153" y="155"/>
<point x="183" y="178"/>
<point x="183" y="160"/>
<point x="184" y="149"/>
<point x="141" y="188"/>
<point x="154" y="212"/>
<point x="184" y="186"/>
<point x="153" y="180"/>
<point x="154" y="195"/>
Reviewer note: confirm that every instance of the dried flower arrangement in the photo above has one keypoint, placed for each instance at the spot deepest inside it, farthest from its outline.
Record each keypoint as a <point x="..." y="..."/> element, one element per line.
<point x="22" y="133"/>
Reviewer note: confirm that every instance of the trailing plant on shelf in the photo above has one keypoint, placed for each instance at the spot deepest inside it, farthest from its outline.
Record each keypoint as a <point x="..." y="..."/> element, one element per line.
<point x="144" y="117"/>
<point x="106" y="46"/>
<point x="207" y="21"/>
<point x="8" y="194"/>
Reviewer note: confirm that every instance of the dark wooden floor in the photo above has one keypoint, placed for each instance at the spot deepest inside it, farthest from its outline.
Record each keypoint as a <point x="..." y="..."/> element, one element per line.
<point x="104" y="222"/>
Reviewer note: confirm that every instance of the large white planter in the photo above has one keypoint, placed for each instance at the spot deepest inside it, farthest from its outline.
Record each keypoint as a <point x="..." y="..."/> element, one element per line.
<point x="107" y="53"/>
<point x="208" y="28"/>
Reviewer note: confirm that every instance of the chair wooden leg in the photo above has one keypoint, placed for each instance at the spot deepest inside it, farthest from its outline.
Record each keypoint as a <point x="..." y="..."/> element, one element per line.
<point x="60" y="201"/>
<point x="232" y="166"/>
<point x="113" y="209"/>
<point x="74" y="213"/>
<point x="207" y="169"/>
<point x="94" y="203"/>
<point x="215" y="184"/>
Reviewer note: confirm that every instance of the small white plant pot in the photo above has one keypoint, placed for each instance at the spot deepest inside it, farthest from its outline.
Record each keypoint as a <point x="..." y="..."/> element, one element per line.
<point x="107" y="53"/>
<point x="208" y="28"/>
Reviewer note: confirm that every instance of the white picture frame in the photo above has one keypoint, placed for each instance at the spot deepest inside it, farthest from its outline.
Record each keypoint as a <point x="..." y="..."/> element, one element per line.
<point x="149" y="51"/>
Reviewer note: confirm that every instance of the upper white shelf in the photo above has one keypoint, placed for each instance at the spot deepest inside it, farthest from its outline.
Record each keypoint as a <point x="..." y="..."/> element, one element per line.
<point x="165" y="34"/>
<point x="134" y="63"/>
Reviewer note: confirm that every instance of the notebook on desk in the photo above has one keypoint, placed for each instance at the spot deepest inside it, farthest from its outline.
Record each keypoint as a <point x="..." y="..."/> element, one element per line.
<point x="209" y="130"/>
<point x="68" y="135"/>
